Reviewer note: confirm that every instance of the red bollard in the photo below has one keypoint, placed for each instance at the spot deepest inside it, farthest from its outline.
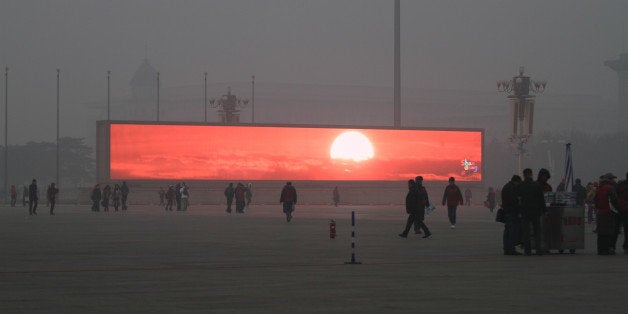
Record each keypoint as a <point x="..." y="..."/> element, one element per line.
<point x="332" y="229"/>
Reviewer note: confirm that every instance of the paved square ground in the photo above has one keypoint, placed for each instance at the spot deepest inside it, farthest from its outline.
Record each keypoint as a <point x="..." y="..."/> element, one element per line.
<point x="205" y="260"/>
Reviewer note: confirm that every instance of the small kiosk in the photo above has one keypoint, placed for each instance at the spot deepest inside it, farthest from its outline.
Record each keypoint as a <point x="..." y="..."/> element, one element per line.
<point x="563" y="226"/>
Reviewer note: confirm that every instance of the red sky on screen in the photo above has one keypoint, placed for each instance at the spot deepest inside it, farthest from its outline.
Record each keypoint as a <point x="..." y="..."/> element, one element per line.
<point x="165" y="152"/>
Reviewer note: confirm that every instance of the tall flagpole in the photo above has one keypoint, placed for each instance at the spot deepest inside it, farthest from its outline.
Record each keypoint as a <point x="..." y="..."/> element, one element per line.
<point x="108" y="93"/>
<point x="397" y="83"/>
<point x="57" y="178"/>
<point x="6" y="133"/>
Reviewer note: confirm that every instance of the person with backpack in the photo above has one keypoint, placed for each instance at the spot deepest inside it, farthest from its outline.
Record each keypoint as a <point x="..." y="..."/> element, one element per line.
<point x="288" y="198"/>
<point x="452" y="197"/>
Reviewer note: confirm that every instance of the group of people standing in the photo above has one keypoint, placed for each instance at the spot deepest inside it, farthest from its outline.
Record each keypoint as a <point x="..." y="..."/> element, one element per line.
<point x="179" y="194"/>
<point x="242" y="195"/>
<point x="30" y="196"/>
<point x="523" y="201"/>
<point x="118" y="197"/>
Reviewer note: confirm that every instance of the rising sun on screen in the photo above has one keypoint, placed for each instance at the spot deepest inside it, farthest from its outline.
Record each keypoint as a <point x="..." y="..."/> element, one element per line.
<point x="352" y="145"/>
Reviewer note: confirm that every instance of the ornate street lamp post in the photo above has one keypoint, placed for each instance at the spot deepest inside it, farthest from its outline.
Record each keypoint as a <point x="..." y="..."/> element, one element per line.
<point x="519" y="90"/>
<point x="228" y="104"/>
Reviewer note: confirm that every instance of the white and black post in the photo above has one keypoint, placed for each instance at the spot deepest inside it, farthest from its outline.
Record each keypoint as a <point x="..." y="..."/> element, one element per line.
<point x="353" y="240"/>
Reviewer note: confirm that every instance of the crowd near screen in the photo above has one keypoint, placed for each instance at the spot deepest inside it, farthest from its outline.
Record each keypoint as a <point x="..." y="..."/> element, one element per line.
<point x="218" y="152"/>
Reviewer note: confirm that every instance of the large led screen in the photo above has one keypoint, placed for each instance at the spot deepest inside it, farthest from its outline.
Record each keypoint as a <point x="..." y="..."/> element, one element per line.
<point x="210" y="152"/>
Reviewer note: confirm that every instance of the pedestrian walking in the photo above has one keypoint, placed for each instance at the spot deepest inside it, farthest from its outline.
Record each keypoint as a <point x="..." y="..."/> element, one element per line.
<point x="416" y="201"/>
<point x="467" y="196"/>
<point x="229" y="191"/>
<point x="289" y="199"/>
<point x="25" y="199"/>
<point x="336" y="196"/>
<point x="13" y="195"/>
<point x="490" y="199"/>
<point x="249" y="195"/>
<point x="452" y="197"/>
<point x="52" y="196"/>
<point x="96" y="196"/>
<point x="33" y="197"/>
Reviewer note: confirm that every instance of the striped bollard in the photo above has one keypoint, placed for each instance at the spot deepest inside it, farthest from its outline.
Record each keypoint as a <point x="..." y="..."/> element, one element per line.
<point x="353" y="240"/>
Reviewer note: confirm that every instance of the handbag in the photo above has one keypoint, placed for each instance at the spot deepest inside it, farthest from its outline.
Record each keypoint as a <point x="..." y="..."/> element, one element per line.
<point x="501" y="215"/>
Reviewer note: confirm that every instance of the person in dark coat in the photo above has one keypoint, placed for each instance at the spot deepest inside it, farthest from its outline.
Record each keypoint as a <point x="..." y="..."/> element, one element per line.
<point x="24" y="196"/>
<point x="162" y="196"/>
<point x="581" y="192"/>
<point x="542" y="178"/>
<point x="510" y="204"/>
<point x="229" y="191"/>
<point x="33" y="198"/>
<point x="124" y="194"/>
<point x="13" y="195"/>
<point x="606" y="203"/>
<point x="177" y="195"/>
<point x="96" y="195"/>
<point x="452" y="197"/>
<point x="116" y="196"/>
<point x="169" y="198"/>
<point x="52" y="197"/>
<point x="622" y="199"/>
<point x="106" y="194"/>
<point x="288" y="198"/>
<point x="240" y="197"/>
<point x="415" y="207"/>
<point x="532" y="207"/>
<point x="490" y="199"/>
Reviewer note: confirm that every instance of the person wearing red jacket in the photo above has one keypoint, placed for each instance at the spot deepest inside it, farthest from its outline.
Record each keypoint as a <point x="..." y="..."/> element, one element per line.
<point x="452" y="197"/>
<point x="606" y="204"/>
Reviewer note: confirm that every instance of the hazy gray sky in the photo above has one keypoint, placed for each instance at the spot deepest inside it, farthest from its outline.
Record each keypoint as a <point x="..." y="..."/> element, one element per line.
<point x="445" y="44"/>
